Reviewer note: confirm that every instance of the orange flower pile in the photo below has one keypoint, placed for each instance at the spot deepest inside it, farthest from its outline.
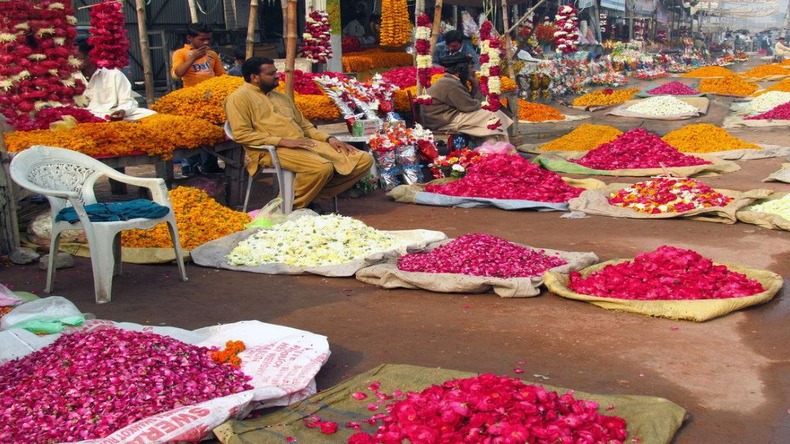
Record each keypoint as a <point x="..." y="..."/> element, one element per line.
<point x="316" y="107"/>
<point x="783" y="85"/>
<point x="230" y="355"/>
<point x="157" y="135"/>
<point x="705" y="138"/>
<point x="761" y="71"/>
<point x="203" y="100"/>
<point x="729" y="86"/>
<point x="709" y="71"/>
<point x="584" y="137"/>
<point x="395" y="24"/>
<point x="605" y="97"/>
<point x="355" y="63"/>
<point x="537" y="112"/>
<point x="376" y="58"/>
<point x="199" y="219"/>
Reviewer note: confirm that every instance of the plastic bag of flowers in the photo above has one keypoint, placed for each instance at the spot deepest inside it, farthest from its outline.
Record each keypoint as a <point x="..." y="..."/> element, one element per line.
<point x="668" y="282"/>
<point x="121" y="382"/>
<point x="773" y="212"/>
<point x="666" y="197"/>
<point x="329" y="245"/>
<point x="475" y="263"/>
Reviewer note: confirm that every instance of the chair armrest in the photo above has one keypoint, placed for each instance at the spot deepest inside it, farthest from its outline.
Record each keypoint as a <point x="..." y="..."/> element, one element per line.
<point x="272" y="152"/>
<point x="156" y="185"/>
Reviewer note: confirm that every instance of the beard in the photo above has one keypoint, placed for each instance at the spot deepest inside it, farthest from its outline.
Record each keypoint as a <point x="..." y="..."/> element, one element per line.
<point x="266" y="89"/>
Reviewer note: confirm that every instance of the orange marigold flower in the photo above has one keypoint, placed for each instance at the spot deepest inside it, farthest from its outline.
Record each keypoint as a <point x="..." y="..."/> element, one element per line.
<point x="537" y="112"/>
<point x="730" y="86"/>
<point x="709" y="71"/>
<point x="605" y="97"/>
<point x="584" y="137"/>
<point x="761" y="71"/>
<point x="705" y="138"/>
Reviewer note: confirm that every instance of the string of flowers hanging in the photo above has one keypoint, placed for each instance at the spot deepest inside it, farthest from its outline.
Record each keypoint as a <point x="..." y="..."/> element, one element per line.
<point x="490" y="57"/>
<point x="395" y="25"/>
<point x="315" y="40"/>
<point x="568" y="33"/>
<point x="422" y="45"/>
<point x="108" y="35"/>
<point x="37" y="67"/>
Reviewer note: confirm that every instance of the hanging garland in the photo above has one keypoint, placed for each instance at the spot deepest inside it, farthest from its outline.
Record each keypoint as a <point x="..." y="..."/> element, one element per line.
<point x="568" y="33"/>
<point x="422" y="45"/>
<point x="490" y="57"/>
<point x="315" y="40"/>
<point x="37" y="65"/>
<point x="395" y="25"/>
<point x="108" y="35"/>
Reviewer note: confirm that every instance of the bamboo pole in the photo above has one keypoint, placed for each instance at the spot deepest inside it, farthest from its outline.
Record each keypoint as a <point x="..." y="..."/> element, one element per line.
<point x="145" y="50"/>
<point x="290" y="49"/>
<point x="251" y="22"/>
<point x="437" y="23"/>
<point x="193" y="14"/>
<point x="284" y="5"/>
<point x="419" y="8"/>
<point x="524" y="17"/>
<point x="508" y="43"/>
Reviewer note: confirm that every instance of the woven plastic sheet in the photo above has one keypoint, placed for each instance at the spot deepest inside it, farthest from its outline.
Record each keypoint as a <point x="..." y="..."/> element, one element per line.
<point x="650" y="419"/>
<point x="717" y="166"/>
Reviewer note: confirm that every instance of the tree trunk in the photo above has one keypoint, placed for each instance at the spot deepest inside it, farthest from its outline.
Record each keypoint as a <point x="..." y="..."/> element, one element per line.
<point x="253" y="20"/>
<point x="145" y="51"/>
<point x="290" y="49"/>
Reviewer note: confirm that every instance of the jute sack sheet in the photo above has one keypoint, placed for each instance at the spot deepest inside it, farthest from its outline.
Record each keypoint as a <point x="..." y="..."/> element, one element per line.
<point x="765" y="220"/>
<point x="739" y="121"/>
<point x="650" y="419"/>
<point x="783" y="175"/>
<point x="214" y="253"/>
<point x="388" y="275"/>
<point x="555" y="162"/>
<point x="415" y="193"/>
<point x="596" y="202"/>
<point x="701" y="103"/>
<point x="689" y="310"/>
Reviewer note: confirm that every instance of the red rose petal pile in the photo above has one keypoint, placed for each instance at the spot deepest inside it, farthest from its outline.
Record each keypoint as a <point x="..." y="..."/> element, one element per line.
<point x="637" y="148"/>
<point x="481" y="255"/>
<point x="87" y="385"/>
<point x="781" y="112"/>
<point x="674" y="88"/>
<point x="668" y="273"/>
<point x="406" y="77"/>
<point x="505" y="176"/>
<point x="493" y="409"/>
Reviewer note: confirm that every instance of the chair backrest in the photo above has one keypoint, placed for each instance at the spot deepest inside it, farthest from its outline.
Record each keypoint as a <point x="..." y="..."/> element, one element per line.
<point x="54" y="171"/>
<point x="228" y="132"/>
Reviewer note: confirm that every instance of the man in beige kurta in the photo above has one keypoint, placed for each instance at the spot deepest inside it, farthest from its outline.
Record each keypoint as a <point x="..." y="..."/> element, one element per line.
<point x="259" y="115"/>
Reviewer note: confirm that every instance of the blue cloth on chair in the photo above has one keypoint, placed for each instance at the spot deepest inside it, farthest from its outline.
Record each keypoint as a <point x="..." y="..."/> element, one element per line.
<point x="115" y="211"/>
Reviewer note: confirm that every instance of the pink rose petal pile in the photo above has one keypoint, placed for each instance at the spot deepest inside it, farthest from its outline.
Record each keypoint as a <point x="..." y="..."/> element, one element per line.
<point x="781" y="112"/>
<point x="634" y="149"/>
<point x="88" y="385"/>
<point x="505" y="176"/>
<point x="668" y="273"/>
<point x="481" y="255"/>
<point x="674" y="88"/>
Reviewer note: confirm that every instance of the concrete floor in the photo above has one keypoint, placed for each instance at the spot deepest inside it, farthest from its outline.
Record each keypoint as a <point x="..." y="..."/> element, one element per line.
<point x="732" y="374"/>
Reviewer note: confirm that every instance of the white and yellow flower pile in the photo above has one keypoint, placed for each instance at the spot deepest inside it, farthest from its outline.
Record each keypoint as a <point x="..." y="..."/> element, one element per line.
<point x="766" y="102"/>
<point x="312" y="242"/>
<point x="660" y="106"/>
<point x="780" y="207"/>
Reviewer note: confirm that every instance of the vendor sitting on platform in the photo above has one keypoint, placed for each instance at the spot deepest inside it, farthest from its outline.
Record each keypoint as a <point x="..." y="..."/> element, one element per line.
<point x="455" y="109"/>
<point x="454" y="43"/>
<point x="108" y="91"/>
<point x="258" y="115"/>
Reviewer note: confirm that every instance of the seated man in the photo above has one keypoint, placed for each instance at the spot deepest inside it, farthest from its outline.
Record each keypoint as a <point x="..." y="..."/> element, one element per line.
<point x="454" y="44"/>
<point x="457" y="110"/>
<point x="259" y="115"/>
<point x="781" y="51"/>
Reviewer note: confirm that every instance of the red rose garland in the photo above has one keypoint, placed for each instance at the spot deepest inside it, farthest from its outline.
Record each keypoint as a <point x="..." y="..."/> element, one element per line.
<point x="422" y="45"/>
<point x="37" y="65"/>
<point x="315" y="40"/>
<point x="490" y="56"/>
<point x="567" y="33"/>
<point x="108" y="35"/>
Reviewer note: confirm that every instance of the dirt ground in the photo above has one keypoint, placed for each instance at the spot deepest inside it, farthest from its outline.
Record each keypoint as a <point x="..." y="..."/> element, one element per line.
<point x="732" y="374"/>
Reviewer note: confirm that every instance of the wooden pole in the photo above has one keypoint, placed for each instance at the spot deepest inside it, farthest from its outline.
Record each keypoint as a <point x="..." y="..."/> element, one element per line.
<point x="251" y="22"/>
<point x="145" y="52"/>
<point x="193" y="14"/>
<point x="508" y="43"/>
<point x="419" y="8"/>
<point x="9" y="226"/>
<point x="437" y="23"/>
<point x="290" y="49"/>
<point x="284" y="4"/>
<point x="524" y="17"/>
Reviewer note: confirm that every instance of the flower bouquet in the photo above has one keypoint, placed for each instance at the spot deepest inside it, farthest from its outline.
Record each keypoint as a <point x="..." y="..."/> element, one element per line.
<point x="545" y="34"/>
<point x="395" y="149"/>
<point x="454" y="164"/>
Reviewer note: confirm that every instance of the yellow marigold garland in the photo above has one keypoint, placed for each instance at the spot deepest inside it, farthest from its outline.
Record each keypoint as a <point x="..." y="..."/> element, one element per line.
<point x="203" y="100"/>
<point x="709" y="71"/>
<point x="730" y="86"/>
<point x="537" y="112"/>
<point x="584" y="137"/>
<point x="705" y="138"/>
<point x="761" y="71"/>
<point x="395" y="24"/>
<point x="199" y="218"/>
<point x="783" y="85"/>
<point x="605" y="97"/>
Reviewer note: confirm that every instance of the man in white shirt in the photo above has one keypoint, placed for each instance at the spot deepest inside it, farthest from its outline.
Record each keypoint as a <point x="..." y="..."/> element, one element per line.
<point x="781" y="51"/>
<point x="107" y="91"/>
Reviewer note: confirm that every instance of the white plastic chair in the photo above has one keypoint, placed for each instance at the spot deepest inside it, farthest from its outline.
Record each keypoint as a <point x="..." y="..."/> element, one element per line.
<point x="285" y="178"/>
<point x="66" y="178"/>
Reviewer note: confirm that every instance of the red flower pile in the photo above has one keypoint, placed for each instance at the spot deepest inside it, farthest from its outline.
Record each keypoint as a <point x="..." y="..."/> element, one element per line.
<point x="637" y="148"/>
<point x="108" y="35"/>
<point x="481" y="255"/>
<point x="37" y="65"/>
<point x="87" y="385"/>
<point x="505" y="176"/>
<point x="781" y="112"/>
<point x="50" y="115"/>
<point x="493" y="409"/>
<point x="674" y="88"/>
<point x="407" y="76"/>
<point x="668" y="195"/>
<point x="567" y="33"/>
<point x="315" y="40"/>
<point x="668" y="273"/>
<point x="304" y="82"/>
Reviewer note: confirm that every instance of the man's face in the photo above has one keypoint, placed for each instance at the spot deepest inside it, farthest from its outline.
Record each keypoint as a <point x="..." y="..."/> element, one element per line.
<point x="267" y="78"/>
<point x="200" y="40"/>
<point x="454" y="46"/>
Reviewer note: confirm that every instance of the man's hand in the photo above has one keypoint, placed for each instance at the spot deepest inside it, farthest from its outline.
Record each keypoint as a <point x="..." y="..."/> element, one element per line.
<point x="341" y="147"/>
<point x="297" y="143"/>
<point x="118" y="115"/>
<point x="197" y="53"/>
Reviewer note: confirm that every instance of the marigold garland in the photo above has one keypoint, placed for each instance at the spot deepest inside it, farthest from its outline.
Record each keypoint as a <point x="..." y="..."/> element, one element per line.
<point x="605" y="97"/>
<point x="709" y="71"/>
<point x="199" y="218"/>
<point x="376" y="58"/>
<point x="537" y="112"/>
<point x="395" y="24"/>
<point x="761" y="71"/>
<point x="705" y="138"/>
<point x="729" y="86"/>
<point x="585" y="137"/>
<point x="108" y="35"/>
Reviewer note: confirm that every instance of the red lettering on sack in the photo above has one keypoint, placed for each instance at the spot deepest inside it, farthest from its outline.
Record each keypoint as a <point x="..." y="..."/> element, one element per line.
<point x="153" y="434"/>
<point x="199" y="411"/>
<point x="166" y="426"/>
<point x="182" y="419"/>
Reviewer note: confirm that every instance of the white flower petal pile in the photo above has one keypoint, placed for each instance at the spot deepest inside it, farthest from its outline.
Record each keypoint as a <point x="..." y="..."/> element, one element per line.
<point x="312" y="242"/>
<point x="776" y="206"/>
<point x="662" y="106"/>
<point x="766" y="102"/>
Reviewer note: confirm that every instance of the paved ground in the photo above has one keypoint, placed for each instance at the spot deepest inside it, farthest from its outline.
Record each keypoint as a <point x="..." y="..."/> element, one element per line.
<point x="732" y="374"/>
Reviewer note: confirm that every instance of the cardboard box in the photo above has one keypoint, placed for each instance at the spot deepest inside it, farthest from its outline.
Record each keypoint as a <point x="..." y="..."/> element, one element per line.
<point x="365" y="127"/>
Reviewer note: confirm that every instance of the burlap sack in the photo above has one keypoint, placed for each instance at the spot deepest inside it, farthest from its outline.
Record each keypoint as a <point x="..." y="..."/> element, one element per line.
<point x="388" y="275"/>
<point x="650" y="420"/>
<point x="596" y="202"/>
<point x="701" y="103"/>
<point x="690" y="310"/>
<point x="740" y="122"/>
<point x="555" y="162"/>
<point x="765" y="220"/>
<point x="568" y="118"/>
<point x="783" y="175"/>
